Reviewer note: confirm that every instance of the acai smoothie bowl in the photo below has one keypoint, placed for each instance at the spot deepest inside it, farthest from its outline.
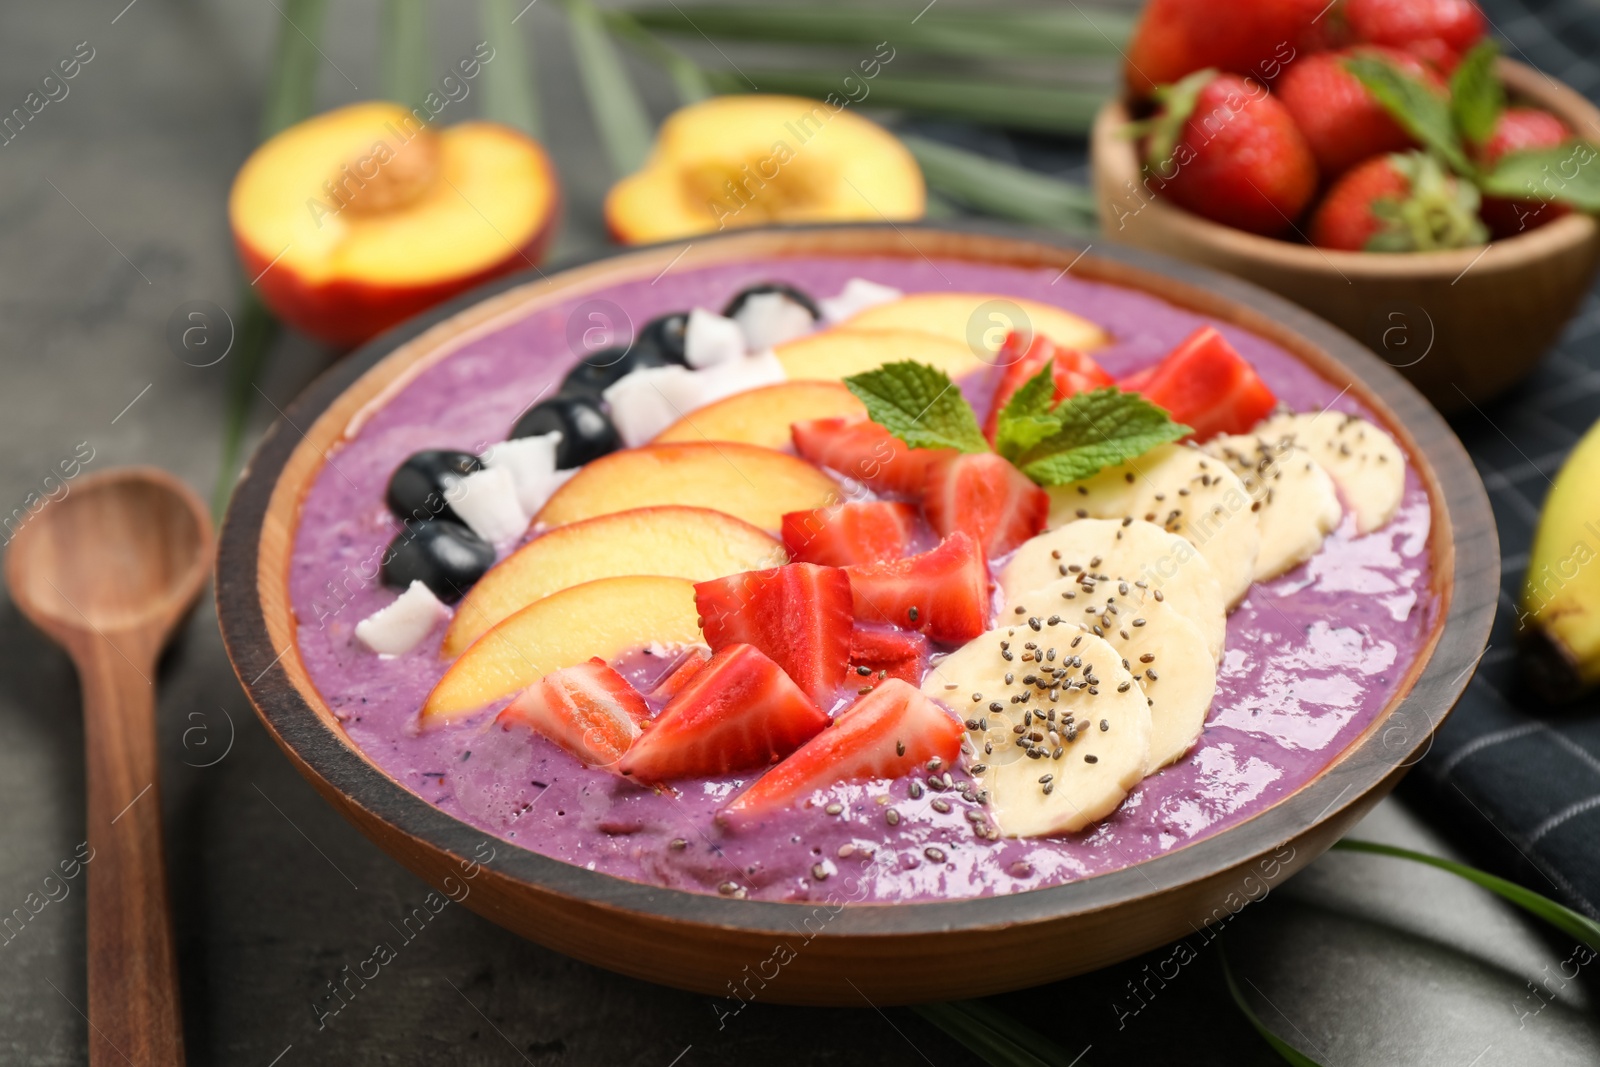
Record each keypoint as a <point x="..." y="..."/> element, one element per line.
<point x="856" y="573"/>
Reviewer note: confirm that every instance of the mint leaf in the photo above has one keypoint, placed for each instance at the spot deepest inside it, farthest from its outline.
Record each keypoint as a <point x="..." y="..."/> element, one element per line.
<point x="1026" y="418"/>
<point x="1422" y="112"/>
<point x="920" y="405"/>
<point x="1098" y="430"/>
<point x="1476" y="95"/>
<point x="1566" y="174"/>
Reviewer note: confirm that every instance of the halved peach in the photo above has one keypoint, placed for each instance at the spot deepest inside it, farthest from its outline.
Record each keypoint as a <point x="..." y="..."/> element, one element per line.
<point x="605" y="618"/>
<point x="763" y="416"/>
<point x="753" y="160"/>
<point x="693" y="543"/>
<point x="979" y="321"/>
<point x="838" y="353"/>
<point x="362" y="216"/>
<point x="748" y="482"/>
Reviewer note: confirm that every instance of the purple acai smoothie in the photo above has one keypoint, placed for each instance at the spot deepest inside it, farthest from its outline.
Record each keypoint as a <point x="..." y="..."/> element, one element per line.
<point x="1312" y="657"/>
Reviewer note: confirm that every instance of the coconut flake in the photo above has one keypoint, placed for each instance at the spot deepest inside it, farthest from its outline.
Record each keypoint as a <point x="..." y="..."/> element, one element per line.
<point x="857" y="296"/>
<point x="769" y="319"/>
<point x="710" y="339"/>
<point x="751" y="372"/>
<point x="487" y="502"/>
<point x="396" y="629"/>
<point x="535" y="497"/>
<point x="531" y="461"/>
<point x="649" y="400"/>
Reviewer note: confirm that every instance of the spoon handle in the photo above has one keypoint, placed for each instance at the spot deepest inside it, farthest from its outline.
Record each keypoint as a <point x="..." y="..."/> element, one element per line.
<point x="134" y="1008"/>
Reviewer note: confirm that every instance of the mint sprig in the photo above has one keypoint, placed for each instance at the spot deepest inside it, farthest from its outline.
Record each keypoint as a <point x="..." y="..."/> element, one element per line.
<point x="1564" y="174"/>
<point x="1052" y="444"/>
<point x="1424" y="113"/>
<point x="1476" y="96"/>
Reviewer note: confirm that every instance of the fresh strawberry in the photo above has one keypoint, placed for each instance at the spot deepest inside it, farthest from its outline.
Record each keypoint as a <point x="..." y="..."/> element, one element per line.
<point x="1175" y="38"/>
<point x="866" y="452"/>
<point x="1225" y="150"/>
<point x="686" y="668"/>
<point x="985" y="496"/>
<point x="798" y="614"/>
<point x="1205" y="384"/>
<point x="1438" y="32"/>
<point x="739" y="712"/>
<point x="896" y="653"/>
<point x="590" y="710"/>
<point x="1024" y="356"/>
<point x="849" y="533"/>
<point x="888" y="733"/>
<point x="1398" y="203"/>
<point x="1518" y="130"/>
<point x="943" y="593"/>
<point x="1342" y="121"/>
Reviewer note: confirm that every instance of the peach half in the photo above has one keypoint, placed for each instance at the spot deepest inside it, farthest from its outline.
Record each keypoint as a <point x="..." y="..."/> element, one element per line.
<point x="753" y="160"/>
<point x="763" y="416"/>
<point x="358" y="218"/>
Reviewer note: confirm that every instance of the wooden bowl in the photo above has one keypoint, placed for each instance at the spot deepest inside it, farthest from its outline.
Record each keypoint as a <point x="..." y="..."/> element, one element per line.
<point x="840" y="954"/>
<point x="1463" y="325"/>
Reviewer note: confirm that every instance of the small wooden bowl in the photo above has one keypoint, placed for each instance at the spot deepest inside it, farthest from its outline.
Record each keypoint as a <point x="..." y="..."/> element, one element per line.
<point x="840" y="954"/>
<point x="1461" y="325"/>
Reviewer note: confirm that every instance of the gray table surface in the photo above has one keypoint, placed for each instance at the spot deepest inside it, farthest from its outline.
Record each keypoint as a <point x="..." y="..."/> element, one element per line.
<point x="111" y="215"/>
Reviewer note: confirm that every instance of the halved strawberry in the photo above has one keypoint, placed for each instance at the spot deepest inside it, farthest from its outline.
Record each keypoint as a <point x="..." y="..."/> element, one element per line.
<point x="982" y="494"/>
<point x="849" y="533"/>
<point x="897" y="653"/>
<point x="887" y="733"/>
<point x="943" y="593"/>
<point x="866" y="452"/>
<point x="1205" y="384"/>
<point x="798" y="614"/>
<point x="686" y="668"/>
<point x="738" y="712"/>
<point x="1023" y="357"/>
<point x="590" y="710"/>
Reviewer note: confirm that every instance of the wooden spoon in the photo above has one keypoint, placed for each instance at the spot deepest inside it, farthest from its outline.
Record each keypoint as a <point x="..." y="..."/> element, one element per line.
<point x="108" y="572"/>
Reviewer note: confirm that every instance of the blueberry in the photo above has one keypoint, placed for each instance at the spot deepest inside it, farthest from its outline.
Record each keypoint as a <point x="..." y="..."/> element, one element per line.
<point x="444" y="556"/>
<point x="788" y="291"/>
<point x="600" y="369"/>
<point x="665" y="334"/>
<point x="419" y="486"/>
<point x="586" y="430"/>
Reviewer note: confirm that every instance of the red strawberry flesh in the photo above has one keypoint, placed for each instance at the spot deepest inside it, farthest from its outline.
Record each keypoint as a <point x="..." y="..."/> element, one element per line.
<point x="983" y="495"/>
<point x="943" y="593"/>
<point x="849" y="533"/>
<point x="864" y="452"/>
<point x="886" y="650"/>
<point x="799" y="615"/>
<point x="589" y="710"/>
<point x="1205" y="384"/>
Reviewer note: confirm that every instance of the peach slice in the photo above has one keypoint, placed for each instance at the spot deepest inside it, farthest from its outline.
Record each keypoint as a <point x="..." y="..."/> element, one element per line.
<point x="365" y="215"/>
<point x="757" y="159"/>
<point x="763" y="416"/>
<point x="979" y="321"/>
<point x="838" y="353"/>
<point x="693" y="543"/>
<point x="605" y="618"/>
<point x="754" y="484"/>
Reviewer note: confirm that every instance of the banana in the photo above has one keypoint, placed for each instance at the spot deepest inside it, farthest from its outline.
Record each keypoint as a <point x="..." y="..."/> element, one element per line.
<point x="1558" y="618"/>
<point x="1183" y="490"/>
<point x="1364" y="461"/>
<point x="1163" y="561"/>
<point x="1050" y="766"/>
<point x="1165" y="651"/>
<point x="1295" y="500"/>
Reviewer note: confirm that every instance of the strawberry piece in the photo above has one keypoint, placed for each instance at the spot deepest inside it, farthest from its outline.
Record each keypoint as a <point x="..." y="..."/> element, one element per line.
<point x="1259" y="37"/>
<point x="1342" y="121"/>
<point x="943" y="593"/>
<point x="679" y="676"/>
<point x="1398" y="203"/>
<point x="1437" y="31"/>
<point x="1023" y="357"/>
<point x="897" y="653"/>
<point x="798" y="614"/>
<point x="849" y="533"/>
<point x="1520" y="129"/>
<point x="888" y="733"/>
<point x="1207" y="385"/>
<point x="738" y="712"/>
<point x="1227" y="151"/>
<point x="589" y="710"/>
<point x="866" y="452"/>
<point x="984" y="495"/>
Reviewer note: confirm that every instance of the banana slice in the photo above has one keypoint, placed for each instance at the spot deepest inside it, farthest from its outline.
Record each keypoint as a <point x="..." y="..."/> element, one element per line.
<point x="1166" y="652"/>
<point x="1298" y="503"/>
<point x="1363" y="460"/>
<point x="1163" y="561"/>
<point x="1050" y="766"/>
<point x="1183" y="490"/>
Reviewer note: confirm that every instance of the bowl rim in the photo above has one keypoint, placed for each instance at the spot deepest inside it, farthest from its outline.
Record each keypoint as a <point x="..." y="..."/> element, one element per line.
<point x="1115" y="161"/>
<point x="1466" y="582"/>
